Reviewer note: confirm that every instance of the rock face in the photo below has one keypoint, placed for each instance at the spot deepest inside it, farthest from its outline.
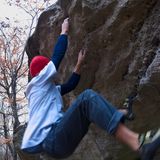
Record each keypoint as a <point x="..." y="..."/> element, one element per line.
<point x="123" y="42"/>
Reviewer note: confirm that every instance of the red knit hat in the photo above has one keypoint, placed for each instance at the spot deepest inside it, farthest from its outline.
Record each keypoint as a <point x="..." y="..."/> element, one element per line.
<point x="37" y="64"/>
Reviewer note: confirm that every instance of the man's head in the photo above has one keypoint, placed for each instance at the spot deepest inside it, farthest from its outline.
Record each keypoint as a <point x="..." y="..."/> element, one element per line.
<point x="37" y="64"/>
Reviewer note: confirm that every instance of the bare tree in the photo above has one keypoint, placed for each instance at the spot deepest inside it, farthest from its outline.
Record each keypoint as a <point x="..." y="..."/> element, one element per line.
<point x="14" y="71"/>
<point x="5" y="140"/>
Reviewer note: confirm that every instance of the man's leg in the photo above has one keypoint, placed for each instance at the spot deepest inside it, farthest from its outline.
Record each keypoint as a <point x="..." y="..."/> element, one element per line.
<point x="145" y="144"/>
<point x="127" y="136"/>
<point x="91" y="107"/>
<point x="88" y="107"/>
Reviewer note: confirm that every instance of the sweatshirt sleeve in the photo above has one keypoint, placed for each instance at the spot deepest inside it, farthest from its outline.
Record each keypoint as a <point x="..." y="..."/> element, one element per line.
<point x="59" y="50"/>
<point x="70" y="84"/>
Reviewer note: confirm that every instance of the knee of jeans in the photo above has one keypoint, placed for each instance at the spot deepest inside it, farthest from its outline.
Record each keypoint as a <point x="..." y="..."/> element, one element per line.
<point x="89" y="93"/>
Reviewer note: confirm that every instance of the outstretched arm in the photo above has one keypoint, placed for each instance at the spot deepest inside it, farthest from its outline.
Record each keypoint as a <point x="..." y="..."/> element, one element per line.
<point x="75" y="77"/>
<point x="61" y="45"/>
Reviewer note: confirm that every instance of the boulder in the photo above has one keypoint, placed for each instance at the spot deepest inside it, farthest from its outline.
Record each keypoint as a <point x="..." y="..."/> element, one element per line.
<point x="123" y="57"/>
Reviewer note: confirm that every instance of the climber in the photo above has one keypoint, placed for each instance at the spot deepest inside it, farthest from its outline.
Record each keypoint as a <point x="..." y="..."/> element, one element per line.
<point x="58" y="133"/>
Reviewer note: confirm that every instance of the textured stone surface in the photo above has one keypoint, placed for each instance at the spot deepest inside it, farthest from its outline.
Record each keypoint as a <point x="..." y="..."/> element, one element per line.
<point x="123" y="43"/>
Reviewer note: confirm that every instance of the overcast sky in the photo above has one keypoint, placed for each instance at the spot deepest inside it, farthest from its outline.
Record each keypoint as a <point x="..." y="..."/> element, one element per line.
<point x="12" y="12"/>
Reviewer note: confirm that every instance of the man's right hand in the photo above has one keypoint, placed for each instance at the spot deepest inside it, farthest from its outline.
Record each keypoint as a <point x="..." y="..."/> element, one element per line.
<point x="65" y="26"/>
<point x="81" y="57"/>
<point x="80" y="61"/>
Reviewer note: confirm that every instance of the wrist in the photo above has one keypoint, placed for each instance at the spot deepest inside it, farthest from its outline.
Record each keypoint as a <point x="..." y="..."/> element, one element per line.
<point x="77" y="68"/>
<point x="64" y="32"/>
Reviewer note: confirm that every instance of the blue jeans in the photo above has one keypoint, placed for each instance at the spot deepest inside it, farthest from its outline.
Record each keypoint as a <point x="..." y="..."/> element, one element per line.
<point x="89" y="107"/>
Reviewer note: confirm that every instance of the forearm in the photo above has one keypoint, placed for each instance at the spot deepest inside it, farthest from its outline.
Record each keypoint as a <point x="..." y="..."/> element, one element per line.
<point x="59" y="50"/>
<point x="80" y="62"/>
<point x="77" y="69"/>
